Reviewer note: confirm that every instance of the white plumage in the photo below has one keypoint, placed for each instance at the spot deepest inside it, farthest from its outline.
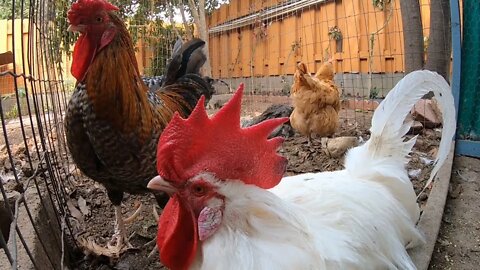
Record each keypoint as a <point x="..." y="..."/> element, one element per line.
<point x="362" y="217"/>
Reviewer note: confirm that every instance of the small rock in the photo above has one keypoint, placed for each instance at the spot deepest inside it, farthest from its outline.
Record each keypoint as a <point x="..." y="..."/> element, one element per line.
<point x="414" y="173"/>
<point x="416" y="128"/>
<point x="7" y="165"/>
<point x="336" y="147"/>
<point x="360" y="104"/>
<point x="426" y="161"/>
<point x="425" y="112"/>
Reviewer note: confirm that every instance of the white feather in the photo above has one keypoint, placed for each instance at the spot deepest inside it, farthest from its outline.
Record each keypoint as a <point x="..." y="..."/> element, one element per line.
<point x="387" y="122"/>
<point x="362" y="217"/>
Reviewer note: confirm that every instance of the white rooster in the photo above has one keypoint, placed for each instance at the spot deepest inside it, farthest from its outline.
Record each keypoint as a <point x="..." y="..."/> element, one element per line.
<point x="231" y="209"/>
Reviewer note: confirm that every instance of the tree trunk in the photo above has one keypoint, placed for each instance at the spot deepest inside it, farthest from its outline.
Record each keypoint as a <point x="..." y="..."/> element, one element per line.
<point x="188" y="30"/>
<point x="439" y="48"/>
<point x="172" y="22"/>
<point x="412" y="35"/>
<point x="198" y="13"/>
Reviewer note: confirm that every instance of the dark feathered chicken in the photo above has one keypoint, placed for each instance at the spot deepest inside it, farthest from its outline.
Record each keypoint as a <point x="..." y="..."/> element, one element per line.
<point x="113" y="119"/>
<point x="6" y="218"/>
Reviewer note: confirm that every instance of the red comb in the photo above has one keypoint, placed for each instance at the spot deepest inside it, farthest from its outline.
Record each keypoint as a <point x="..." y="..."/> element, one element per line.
<point x="220" y="146"/>
<point x="87" y="7"/>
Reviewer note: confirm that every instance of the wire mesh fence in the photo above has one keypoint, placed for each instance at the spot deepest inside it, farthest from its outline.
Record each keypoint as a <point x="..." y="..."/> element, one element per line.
<point x="261" y="43"/>
<point x="48" y="204"/>
<point x="34" y="158"/>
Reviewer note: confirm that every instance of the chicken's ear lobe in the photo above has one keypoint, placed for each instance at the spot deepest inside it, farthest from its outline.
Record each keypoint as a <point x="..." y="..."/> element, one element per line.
<point x="107" y="37"/>
<point x="209" y="221"/>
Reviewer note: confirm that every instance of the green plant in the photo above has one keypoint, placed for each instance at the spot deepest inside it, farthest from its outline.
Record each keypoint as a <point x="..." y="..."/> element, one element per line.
<point x="12" y="113"/>
<point x="380" y="4"/>
<point x="334" y="33"/>
<point x="21" y="92"/>
<point x="374" y="93"/>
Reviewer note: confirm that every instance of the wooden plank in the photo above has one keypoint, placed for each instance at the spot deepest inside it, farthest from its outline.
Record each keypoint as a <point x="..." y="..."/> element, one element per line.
<point x="246" y="52"/>
<point x="307" y="35"/>
<point x="6" y="58"/>
<point x="274" y="49"/>
<point x="289" y="39"/>
<point x="224" y="63"/>
<point x="350" y="23"/>
<point x="233" y="10"/>
<point x="244" y="7"/>
<point x="215" y="53"/>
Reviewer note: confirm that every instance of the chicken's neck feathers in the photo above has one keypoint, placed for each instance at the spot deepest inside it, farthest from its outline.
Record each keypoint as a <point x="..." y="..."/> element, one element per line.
<point x="116" y="89"/>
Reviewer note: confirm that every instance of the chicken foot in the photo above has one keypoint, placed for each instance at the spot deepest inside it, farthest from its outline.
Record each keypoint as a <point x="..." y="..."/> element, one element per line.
<point x="120" y="240"/>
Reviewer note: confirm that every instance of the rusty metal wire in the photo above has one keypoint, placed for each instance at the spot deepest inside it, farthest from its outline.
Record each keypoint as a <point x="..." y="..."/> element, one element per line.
<point x="35" y="163"/>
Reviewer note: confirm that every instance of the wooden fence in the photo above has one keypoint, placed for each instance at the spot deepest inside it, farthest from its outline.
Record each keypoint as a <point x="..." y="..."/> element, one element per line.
<point x="372" y="39"/>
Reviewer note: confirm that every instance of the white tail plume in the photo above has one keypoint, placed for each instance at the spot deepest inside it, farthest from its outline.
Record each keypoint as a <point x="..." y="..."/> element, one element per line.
<point x="388" y="119"/>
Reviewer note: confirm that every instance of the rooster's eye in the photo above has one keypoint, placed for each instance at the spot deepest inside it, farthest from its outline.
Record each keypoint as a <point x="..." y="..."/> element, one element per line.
<point x="99" y="19"/>
<point x="198" y="190"/>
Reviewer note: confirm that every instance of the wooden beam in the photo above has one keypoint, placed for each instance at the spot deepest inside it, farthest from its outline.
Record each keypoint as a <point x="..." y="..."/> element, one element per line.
<point x="6" y="58"/>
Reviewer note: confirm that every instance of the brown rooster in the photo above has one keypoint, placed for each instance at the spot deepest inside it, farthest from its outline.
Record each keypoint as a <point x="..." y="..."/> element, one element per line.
<point x="114" y="120"/>
<point x="316" y="102"/>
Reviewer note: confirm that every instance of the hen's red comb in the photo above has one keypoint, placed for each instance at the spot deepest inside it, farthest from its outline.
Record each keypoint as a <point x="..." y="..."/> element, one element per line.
<point x="87" y="7"/>
<point x="220" y="146"/>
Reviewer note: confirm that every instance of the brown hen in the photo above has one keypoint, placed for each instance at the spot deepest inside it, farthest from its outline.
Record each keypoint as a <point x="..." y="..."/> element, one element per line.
<point x="316" y="102"/>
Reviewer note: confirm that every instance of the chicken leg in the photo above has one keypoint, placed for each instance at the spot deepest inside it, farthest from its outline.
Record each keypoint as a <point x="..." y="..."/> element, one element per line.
<point x="120" y="240"/>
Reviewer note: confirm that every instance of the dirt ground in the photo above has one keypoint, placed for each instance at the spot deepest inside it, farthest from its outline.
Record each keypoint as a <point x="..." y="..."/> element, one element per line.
<point x="458" y="246"/>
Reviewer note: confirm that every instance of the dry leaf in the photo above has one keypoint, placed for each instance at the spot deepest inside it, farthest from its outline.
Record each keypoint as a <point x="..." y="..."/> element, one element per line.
<point x="74" y="211"/>
<point x="82" y="204"/>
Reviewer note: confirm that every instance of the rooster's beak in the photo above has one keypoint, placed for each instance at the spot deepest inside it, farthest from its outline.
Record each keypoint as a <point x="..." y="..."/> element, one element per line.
<point x="76" y="28"/>
<point x="157" y="183"/>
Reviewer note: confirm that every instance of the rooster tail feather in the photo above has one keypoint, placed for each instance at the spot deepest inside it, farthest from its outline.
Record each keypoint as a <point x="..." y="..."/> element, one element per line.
<point x="385" y="154"/>
<point x="186" y="60"/>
